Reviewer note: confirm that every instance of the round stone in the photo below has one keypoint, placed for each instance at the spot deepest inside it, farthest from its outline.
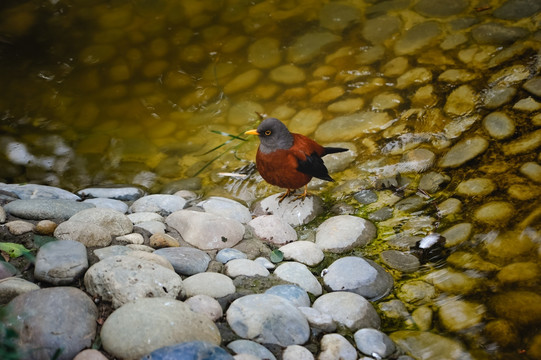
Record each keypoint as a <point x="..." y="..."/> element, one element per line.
<point x="499" y="125"/>
<point x="495" y="213"/>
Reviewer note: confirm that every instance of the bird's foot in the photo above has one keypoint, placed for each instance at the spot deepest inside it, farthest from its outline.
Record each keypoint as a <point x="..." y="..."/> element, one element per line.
<point x="284" y="195"/>
<point x="291" y="192"/>
<point x="303" y="195"/>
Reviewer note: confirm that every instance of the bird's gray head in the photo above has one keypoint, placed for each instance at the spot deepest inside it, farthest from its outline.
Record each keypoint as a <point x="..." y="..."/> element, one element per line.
<point x="273" y="135"/>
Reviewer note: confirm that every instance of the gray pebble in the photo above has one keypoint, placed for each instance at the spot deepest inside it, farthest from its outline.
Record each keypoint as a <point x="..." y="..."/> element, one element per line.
<point x="185" y="260"/>
<point x="60" y="262"/>
<point x="374" y="342"/>
<point x="45" y="209"/>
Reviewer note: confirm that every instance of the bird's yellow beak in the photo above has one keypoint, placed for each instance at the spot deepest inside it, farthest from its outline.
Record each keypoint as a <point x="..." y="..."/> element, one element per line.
<point x="251" y="132"/>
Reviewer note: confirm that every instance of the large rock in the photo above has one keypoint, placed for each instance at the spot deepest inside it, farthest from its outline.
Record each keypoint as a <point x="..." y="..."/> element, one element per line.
<point x="61" y="262"/>
<point x="48" y="320"/>
<point x="43" y="209"/>
<point x="123" y="278"/>
<point x="206" y="231"/>
<point x="428" y="346"/>
<point x="268" y="319"/>
<point x="147" y="324"/>
<point x="344" y="232"/>
<point x="294" y="212"/>
<point x="348" y="310"/>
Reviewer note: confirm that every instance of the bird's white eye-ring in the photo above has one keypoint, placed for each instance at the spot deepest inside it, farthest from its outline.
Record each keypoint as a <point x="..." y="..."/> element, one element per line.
<point x="268" y="132"/>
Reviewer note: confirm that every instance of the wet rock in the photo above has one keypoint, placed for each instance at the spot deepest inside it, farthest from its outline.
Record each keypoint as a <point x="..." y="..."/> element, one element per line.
<point x="461" y="101"/>
<point x="195" y="228"/>
<point x="114" y="222"/>
<point x="372" y="341"/>
<point x="497" y="96"/>
<point x="245" y="267"/>
<point x="464" y="151"/>
<point x="415" y="76"/>
<point x="416" y="161"/>
<point x="499" y="125"/>
<point x="454" y="282"/>
<point x="527" y="105"/>
<point x="497" y="34"/>
<point x="205" y="305"/>
<point x="457" y="76"/>
<point x="520" y="307"/>
<point x="297" y="295"/>
<point x="457" y="315"/>
<point x="189" y="350"/>
<point x="517" y="9"/>
<point x="113" y="250"/>
<point x="171" y="321"/>
<point x="128" y="193"/>
<point x="161" y="240"/>
<point x="338" y="16"/>
<point x="533" y="86"/>
<point x="294" y="212"/>
<point x="297" y="352"/>
<point x="122" y="279"/>
<point x="427" y="345"/>
<point x="348" y="310"/>
<point x="268" y="319"/>
<point x="328" y="95"/>
<point x="242" y="346"/>
<point x="519" y="273"/>
<point x="366" y="197"/>
<point x="411" y="203"/>
<point x="108" y="204"/>
<point x="335" y="346"/>
<point x="272" y="229"/>
<point x="266" y="263"/>
<point x="13" y="286"/>
<point x="159" y="203"/>
<point x="344" y="232"/>
<point x="449" y="207"/>
<point x="287" y="74"/>
<point x="60" y="262"/>
<point x="416" y="292"/>
<point x="299" y="274"/>
<point x="417" y="37"/>
<point x="348" y="127"/>
<point x="211" y="284"/>
<point x="243" y="81"/>
<point x="386" y="101"/>
<point x="476" y="187"/>
<point x="382" y="214"/>
<point x="495" y="213"/>
<point x="440" y="8"/>
<point x="381" y="28"/>
<point x="508" y="244"/>
<point x="228" y="254"/>
<point x="265" y="53"/>
<point x="524" y="144"/>
<point x="432" y="182"/>
<point x="358" y="275"/>
<point x="227" y="208"/>
<point x="34" y="191"/>
<point x="152" y="257"/>
<point x="309" y="46"/>
<point x="532" y="171"/>
<point x="457" y="234"/>
<point x="399" y="260"/>
<point x="185" y="260"/>
<point x="89" y="234"/>
<point x="51" y="319"/>
<point x="43" y="209"/>
<point x="305" y="252"/>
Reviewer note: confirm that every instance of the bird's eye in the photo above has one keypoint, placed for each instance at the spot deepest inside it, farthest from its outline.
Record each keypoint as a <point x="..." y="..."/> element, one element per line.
<point x="268" y="132"/>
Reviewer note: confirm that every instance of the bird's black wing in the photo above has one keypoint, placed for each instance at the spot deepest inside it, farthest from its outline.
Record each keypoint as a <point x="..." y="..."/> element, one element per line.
<point x="314" y="166"/>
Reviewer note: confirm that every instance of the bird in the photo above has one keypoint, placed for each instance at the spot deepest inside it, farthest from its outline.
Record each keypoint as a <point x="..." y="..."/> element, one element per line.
<point x="287" y="159"/>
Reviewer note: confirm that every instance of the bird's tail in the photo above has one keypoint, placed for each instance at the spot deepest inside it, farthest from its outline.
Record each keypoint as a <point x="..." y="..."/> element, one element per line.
<point x="332" y="150"/>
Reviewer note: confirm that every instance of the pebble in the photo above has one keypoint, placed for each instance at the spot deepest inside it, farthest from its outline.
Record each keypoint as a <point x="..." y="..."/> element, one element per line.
<point x="358" y="275"/>
<point x="159" y="203"/>
<point x="306" y="47"/>
<point x="19" y="227"/>
<point x="348" y="127"/>
<point x="185" y="260"/>
<point x="205" y="305"/>
<point x="227" y="208"/>
<point x="52" y="318"/>
<point x="34" y="191"/>
<point x="60" y="262"/>
<point x="461" y="101"/>
<point x="338" y="16"/>
<point x="420" y="344"/>
<point x="495" y="213"/>
<point x="171" y="321"/>
<point x="242" y="346"/>
<point x="2" y="215"/>
<point x="245" y="267"/>
<point x="454" y="282"/>
<point x="416" y="292"/>
<point x="344" y="232"/>
<point x="297" y="352"/>
<point x="152" y="257"/>
<point x="212" y="284"/>
<point x="305" y="252"/>
<point x="521" y="307"/>
<point x="112" y="221"/>
<point x="463" y="151"/>
<point x="133" y="238"/>
<point x="295" y="294"/>
<point x="497" y="96"/>
<point x="90" y="354"/>
<point x="89" y="234"/>
<point x="335" y="346"/>
<point x="272" y="229"/>
<point x="268" y="319"/>
<point x="287" y="74"/>
<point x="265" y="53"/>
<point x="519" y="273"/>
<point x="44" y="209"/>
<point x="45" y="227"/>
<point x="532" y="171"/>
<point x="497" y="34"/>
<point x="499" y="125"/>
<point x="299" y="274"/>
<point x="206" y="231"/>
<point x="417" y="37"/>
<point x="122" y="279"/>
<point x="347" y="309"/>
<point x="458" y="315"/>
<point x="242" y="81"/>
<point x="189" y="350"/>
<point x="524" y="144"/>
<point x="399" y="260"/>
<point x="128" y="193"/>
<point x="293" y="212"/>
<point x="318" y="320"/>
<point x="108" y="204"/>
<point x="457" y="234"/>
<point x="144" y="216"/>
<point x="12" y="286"/>
<point x="228" y="254"/>
<point x="374" y="343"/>
<point x="415" y="76"/>
<point x="161" y="240"/>
<point x="476" y="187"/>
<point x="379" y="29"/>
<point x="527" y="105"/>
<point x="440" y="8"/>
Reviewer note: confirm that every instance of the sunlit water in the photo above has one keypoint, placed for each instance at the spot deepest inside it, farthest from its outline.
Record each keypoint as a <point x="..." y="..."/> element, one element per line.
<point x="153" y="92"/>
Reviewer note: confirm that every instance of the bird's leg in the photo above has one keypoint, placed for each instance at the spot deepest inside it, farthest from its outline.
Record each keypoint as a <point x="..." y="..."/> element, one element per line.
<point x="303" y="195"/>
<point x="284" y="195"/>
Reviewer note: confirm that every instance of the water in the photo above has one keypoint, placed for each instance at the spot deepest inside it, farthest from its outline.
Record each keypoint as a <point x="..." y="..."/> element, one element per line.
<point x="153" y="92"/>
